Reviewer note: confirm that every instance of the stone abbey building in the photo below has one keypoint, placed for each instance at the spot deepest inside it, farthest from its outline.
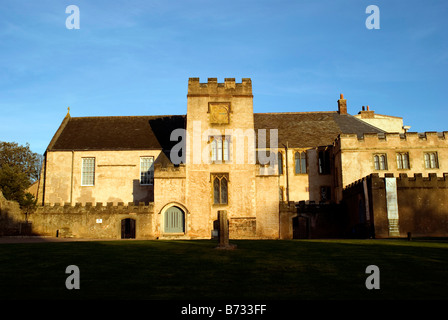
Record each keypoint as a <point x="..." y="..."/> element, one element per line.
<point x="158" y="177"/>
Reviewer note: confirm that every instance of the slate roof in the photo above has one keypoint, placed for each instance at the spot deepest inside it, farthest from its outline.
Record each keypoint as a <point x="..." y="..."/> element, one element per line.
<point x="301" y="129"/>
<point x="310" y="129"/>
<point x="116" y="133"/>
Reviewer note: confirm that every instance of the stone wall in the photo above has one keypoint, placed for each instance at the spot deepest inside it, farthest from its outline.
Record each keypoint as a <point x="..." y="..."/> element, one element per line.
<point x="354" y="156"/>
<point x="287" y="211"/>
<point x="422" y="205"/>
<point x="12" y="219"/>
<point x="310" y="220"/>
<point x="117" y="177"/>
<point x="97" y="221"/>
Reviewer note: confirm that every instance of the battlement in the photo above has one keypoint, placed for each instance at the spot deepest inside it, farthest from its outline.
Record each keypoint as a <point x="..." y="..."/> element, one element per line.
<point x="403" y="181"/>
<point x="96" y="208"/>
<point x="394" y="139"/>
<point x="213" y="87"/>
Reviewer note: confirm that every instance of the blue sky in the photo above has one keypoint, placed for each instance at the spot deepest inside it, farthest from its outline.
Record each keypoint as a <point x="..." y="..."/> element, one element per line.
<point x="134" y="57"/>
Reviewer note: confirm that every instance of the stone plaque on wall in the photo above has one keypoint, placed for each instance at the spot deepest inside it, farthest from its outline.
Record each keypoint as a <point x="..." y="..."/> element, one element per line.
<point x="219" y="112"/>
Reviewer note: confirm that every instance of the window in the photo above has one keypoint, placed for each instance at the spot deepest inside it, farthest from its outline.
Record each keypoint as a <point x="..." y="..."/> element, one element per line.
<point x="324" y="162"/>
<point x="325" y="193"/>
<point x="280" y="163"/>
<point x="431" y="161"/>
<point x="146" y="170"/>
<point x="220" y="148"/>
<point x="300" y="162"/>
<point x="88" y="172"/>
<point x="220" y="188"/>
<point x="380" y="161"/>
<point x="402" y="160"/>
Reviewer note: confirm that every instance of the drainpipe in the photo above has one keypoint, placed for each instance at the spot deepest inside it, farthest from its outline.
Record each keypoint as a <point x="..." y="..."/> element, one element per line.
<point x="287" y="174"/>
<point x="44" y="185"/>
<point x="71" y="179"/>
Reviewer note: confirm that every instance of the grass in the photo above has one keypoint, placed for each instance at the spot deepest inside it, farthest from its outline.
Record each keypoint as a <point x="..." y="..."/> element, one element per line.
<point x="190" y="270"/>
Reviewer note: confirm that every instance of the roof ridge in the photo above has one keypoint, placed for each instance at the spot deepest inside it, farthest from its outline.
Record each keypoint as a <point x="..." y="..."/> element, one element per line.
<point x="293" y="112"/>
<point x="115" y="117"/>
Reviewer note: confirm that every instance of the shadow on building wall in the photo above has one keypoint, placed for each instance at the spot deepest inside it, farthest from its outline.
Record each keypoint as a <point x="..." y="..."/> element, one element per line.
<point x="142" y="193"/>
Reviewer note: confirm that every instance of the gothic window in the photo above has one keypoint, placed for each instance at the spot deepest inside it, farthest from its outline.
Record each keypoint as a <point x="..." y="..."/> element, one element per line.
<point x="324" y="162"/>
<point x="300" y="162"/>
<point x="431" y="161"/>
<point x="380" y="161"/>
<point x="88" y="172"/>
<point x="220" y="183"/>
<point x="402" y="160"/>
<point x="146" y="170"/>
<point x="220" y="148"/>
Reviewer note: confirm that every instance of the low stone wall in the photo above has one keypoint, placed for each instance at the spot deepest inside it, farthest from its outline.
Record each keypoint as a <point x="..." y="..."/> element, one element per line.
<point x="310" y="220"/>
<point x="93" y="221"/>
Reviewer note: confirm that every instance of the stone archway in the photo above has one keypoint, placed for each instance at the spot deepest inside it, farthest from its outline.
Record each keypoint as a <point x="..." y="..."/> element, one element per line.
<point x="175" y="222"/>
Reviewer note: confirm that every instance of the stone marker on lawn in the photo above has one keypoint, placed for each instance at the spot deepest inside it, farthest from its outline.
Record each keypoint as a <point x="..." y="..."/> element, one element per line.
<point x="223" y="232"/>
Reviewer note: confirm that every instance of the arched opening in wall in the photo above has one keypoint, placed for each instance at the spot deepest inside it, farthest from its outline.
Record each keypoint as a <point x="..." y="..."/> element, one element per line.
<point x="174" y="220"/>
<point x="128" y="228"/>
<point x="300" y="227"/>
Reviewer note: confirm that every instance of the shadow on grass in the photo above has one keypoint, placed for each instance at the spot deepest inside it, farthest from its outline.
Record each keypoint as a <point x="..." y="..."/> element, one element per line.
<point x="193" y="269"/>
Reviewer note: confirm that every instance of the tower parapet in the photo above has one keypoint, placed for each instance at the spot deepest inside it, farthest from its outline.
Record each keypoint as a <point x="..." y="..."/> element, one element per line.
<point x="213" y="88"/>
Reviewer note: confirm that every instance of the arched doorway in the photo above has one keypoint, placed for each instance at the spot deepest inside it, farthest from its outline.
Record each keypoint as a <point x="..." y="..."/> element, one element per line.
<point x="128" y="228"/>
<point x="174" y="220"/>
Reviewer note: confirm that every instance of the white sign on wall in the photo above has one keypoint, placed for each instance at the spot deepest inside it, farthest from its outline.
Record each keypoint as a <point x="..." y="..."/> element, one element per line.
<point x="391" y="198"/>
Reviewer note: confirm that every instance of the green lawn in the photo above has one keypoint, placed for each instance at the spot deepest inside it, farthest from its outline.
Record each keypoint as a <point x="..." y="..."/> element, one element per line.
<point x="266" y="270"/>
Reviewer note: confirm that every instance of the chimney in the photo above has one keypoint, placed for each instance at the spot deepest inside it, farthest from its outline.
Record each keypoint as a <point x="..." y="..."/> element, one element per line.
<point x="342" y="105"/>
<point x="366" y="113"/>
